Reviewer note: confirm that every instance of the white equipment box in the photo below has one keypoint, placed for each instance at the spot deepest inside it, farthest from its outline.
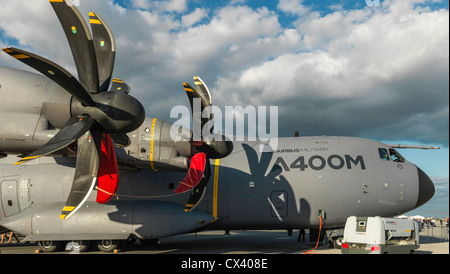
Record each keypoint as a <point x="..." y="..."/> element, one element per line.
<point x="376" y="235"/>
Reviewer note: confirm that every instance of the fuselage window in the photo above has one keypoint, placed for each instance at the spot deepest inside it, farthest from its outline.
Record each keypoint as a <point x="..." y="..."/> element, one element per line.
<point x="384" y="155"/>
<point x="396" y="157"/>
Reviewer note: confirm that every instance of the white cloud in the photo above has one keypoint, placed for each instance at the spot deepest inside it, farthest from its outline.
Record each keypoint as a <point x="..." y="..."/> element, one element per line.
<point x="237" y="2"/>
<point x="358" y="72"/>
<point x="212" y="44"/>
<point x="176" y="5"/>
<point x="141" y="4"/>
<point x="378" y="72"/>
<point x="164" y="5"/>
<point x="294" y="7"/>
<point x="192" y="18"/>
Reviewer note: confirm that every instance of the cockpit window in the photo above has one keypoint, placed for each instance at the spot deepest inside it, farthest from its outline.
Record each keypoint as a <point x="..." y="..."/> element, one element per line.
<point x="384" y="155"/>
<point x="396" y="157"/>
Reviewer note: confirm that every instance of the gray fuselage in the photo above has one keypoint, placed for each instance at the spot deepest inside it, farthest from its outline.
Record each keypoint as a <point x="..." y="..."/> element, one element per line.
<point x="249" y="189"/>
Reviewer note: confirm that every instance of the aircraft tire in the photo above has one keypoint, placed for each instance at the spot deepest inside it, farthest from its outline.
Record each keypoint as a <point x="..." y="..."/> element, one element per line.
<point x="109" y="245"/>
<point x="50" y="246"/>
<point x="82" y="245"/>
<point x="337" y="242"/>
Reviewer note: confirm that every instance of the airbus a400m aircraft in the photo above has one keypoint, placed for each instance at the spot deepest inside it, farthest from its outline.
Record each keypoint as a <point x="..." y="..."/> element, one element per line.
<point x="98" y="144"/>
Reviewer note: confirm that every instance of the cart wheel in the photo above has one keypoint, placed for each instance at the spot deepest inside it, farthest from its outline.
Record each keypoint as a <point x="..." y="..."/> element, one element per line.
<point x="337" y="242"/>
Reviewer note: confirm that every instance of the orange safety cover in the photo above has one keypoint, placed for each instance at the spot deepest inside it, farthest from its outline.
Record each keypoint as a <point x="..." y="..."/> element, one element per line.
<point x="195" y="173"/>
<point x="108" y="172"/>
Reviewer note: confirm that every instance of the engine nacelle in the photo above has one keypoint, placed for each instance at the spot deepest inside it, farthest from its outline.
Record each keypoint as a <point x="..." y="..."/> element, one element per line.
<point x="152" y="147"/>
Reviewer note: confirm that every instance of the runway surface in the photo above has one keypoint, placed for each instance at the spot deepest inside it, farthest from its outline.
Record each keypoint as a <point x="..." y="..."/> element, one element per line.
<point x="239" y="242"/>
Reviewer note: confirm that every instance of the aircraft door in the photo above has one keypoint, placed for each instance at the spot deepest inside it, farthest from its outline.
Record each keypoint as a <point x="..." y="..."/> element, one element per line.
<point x="279" y="204"/>
<point x="9" y="198"/>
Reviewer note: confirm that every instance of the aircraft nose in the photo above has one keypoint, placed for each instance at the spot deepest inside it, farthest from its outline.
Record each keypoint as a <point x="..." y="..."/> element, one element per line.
<point x="426" y="188"/>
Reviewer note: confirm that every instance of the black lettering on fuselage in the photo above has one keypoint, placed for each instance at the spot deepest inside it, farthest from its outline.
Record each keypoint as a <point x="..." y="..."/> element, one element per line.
<point x="280" y="162"/>
<point x="335" y="162"/>
<point x="318" y="162"/>
<point x="359" y="159"/>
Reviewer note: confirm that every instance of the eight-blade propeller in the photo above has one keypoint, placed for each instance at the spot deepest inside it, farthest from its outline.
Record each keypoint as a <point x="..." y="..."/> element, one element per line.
<point x="96" y="112"/>
<point x="99" y="115"/>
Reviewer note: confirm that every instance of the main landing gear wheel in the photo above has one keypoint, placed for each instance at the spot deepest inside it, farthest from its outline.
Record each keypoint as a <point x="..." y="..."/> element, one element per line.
<point x="110" y="245"/>
<point x="81" y="245"/>
<point x="50" y="246"/>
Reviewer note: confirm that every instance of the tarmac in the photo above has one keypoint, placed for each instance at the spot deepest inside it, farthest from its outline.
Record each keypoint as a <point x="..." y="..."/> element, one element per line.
<point x="432" y="241"/>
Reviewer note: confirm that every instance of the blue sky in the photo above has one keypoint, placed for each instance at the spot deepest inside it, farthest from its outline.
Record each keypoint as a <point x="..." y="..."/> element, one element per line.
<point x="332" y="67"/>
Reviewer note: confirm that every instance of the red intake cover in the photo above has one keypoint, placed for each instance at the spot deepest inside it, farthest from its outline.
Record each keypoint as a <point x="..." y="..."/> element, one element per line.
<point x="195" y="173"/>
<point x="108" y="172"/>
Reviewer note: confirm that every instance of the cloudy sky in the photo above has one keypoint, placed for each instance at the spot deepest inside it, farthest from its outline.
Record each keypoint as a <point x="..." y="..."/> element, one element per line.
<point x="332" y="67"/>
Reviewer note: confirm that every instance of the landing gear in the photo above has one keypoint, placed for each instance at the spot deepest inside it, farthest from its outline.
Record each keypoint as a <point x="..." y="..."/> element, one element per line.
<point x="81" y="245"/>
<point x="110" y="245"/>
<point x="50" y="246"/>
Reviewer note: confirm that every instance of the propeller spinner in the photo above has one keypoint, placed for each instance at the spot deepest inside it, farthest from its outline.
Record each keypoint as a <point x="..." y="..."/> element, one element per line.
<point x="96" y="112"/>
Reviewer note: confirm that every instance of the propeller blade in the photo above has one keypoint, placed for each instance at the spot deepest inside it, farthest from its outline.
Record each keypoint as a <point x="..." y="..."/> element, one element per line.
<point x="105" y="49"/>
<point x="197" y="120"/>
<point x="195" y="173"/>
<point x="216" y="146"/>
<point x="80" y="41"/>
<point x="88" y="158"/>
<point x="203" y="91"/>
<point x="205" y="96"/>
<point x="72" y="130"/>
<point x="53" y="71"/>
<point x="119" y="85"/>
<point x="191" y="93"/>
<point x="108" y="172"/>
